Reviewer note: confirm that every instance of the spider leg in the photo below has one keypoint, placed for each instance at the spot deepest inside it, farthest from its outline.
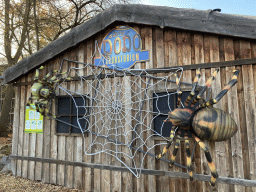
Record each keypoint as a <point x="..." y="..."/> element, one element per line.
<point x="207" y="85"/>
<point x="30" y="101"/>
<point x="165" y="149"/>
<point x="41" y="109"/>
<point x="192" y="93"/>
<point x="189" y="164"/>
<point x="37" y="106"/>
<point x="55" y="78"/>
<point x="178" y="91"/>
<point x="209" y="160"/>
<point x="45" y="105"/>
<point x="224" y="91"/>
<point x="37" y="73"/>
<point x="176" y="148"/>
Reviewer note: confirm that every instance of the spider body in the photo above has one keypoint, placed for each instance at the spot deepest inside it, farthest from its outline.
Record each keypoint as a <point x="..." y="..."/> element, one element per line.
<point x="35" y="90"/>
<point x="208" y="123"/>
<point x="201" y="122"/>
<point x="43" y="91"/>
<point x="214" y="124"/>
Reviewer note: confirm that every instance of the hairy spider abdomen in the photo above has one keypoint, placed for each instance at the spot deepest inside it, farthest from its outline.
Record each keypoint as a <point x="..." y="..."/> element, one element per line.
<point x="181" y="118"/>
<point x="214" y="124"/>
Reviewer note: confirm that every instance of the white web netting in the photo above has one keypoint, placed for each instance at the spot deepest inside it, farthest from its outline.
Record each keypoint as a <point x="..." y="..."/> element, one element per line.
<point x="120" y="112"/>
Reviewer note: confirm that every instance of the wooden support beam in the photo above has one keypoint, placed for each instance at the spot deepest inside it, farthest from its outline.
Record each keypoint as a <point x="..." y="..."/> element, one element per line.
<point x="227" y="180"/>
<point x="240" y="62"/>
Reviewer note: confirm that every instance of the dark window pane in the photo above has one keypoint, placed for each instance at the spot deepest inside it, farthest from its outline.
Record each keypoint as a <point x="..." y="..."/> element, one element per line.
<point x="80" y="102"/>
<point x="163" y="102"/>
<point x="74" y="122"/>
<point x="62" y="127"/>
<point x="161" y="127"/>
<point x="64" y="106"/>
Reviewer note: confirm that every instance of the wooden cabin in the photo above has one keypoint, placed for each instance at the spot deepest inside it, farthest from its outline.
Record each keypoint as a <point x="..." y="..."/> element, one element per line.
<point x="172" y="37"/>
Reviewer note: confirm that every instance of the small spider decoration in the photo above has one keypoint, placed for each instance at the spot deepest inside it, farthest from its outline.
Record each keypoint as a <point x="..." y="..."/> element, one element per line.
<point x="43" y="91"/>
<point x="201" y="122"/>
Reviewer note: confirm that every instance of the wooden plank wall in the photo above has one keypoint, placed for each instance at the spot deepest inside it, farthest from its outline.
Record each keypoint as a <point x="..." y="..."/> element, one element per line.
<point x="167" y="47"/>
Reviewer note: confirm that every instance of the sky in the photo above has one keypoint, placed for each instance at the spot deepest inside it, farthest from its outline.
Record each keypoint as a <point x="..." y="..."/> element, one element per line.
<point x="240" y="7"/>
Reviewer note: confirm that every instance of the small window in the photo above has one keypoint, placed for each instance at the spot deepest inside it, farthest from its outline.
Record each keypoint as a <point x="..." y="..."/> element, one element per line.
<point x="70" y="112"/>
<point x="162" y="104"/>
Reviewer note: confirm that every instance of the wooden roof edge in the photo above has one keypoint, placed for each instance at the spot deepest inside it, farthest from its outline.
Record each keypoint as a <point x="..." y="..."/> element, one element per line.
<point x="189" y="19"/>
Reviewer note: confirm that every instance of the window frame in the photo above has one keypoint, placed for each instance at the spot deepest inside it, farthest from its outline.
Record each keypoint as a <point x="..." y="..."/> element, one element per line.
<point x="69" y="115"/>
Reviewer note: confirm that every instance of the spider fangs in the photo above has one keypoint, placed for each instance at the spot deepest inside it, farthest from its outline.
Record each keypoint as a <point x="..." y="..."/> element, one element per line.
<point x="43" y="91"/>
<point x="202" y="122"/>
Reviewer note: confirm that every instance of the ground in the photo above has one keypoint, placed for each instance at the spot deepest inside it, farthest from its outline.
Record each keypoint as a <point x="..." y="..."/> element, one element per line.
<point x="5" y="146"/>
<point x="10" y="183"/>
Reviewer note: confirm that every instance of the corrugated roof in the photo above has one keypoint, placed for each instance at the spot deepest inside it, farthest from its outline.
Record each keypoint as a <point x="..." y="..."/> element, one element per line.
<point x="189" y="19"/>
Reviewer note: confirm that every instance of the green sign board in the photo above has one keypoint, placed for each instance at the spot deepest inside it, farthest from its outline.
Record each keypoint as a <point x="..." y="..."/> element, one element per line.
<point x="34" y="120"/>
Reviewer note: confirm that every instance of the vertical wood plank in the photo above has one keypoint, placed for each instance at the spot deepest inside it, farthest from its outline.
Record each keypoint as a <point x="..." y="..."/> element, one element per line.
<point x="206" y="74"/>
<point x="61" y="156"/>
<point x="78" y="156"/>
<point x="88" y="158"/>
<point x="32" y="151"/>
<point x="146" y="35"/>
<point x="106" y="158"/>
<point x="224" y="155"/>
<point x="182" y="41"/>
<point x="54" y="138"/>
<point x="216" y="88"/>
<point x="139" y="156"/>
<point x="15" y="132"/>
<point x="198" y="52"/>
<point x="61" y="172"/>
<point x="170" y="61"/>
<point x="185" y="48"/>
<point x="98" y="180"/>
<point x="116" y="176"/>
<point x="70" y="139"/>
<point x="46" y="143"/>
<point x="21" y="127"/>
<point x="39" y="141"/>
<point x="26" y="135"/>
<point x="127" y="176"/>
<point x="159" y="57"/>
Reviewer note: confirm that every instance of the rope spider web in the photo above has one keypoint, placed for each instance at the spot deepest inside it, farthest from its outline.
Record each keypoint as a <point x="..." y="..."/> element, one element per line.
<point x="120" y="108"/>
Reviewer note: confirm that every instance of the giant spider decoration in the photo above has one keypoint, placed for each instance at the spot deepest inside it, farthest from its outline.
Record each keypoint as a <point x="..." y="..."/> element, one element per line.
<point x="43" y="91"/>
<point x="201" y="122"/>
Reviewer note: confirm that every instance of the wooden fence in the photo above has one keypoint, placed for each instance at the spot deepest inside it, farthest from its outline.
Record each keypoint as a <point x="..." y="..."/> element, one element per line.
<point x="59" y="159"/>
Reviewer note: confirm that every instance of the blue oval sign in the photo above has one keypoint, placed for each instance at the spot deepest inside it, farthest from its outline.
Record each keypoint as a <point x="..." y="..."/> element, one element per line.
<point x="121" y="49"/>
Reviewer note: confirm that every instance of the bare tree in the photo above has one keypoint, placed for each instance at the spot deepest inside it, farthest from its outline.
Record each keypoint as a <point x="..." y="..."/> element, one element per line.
<point x="29" y="25"/>
<point x="9" y="37"/>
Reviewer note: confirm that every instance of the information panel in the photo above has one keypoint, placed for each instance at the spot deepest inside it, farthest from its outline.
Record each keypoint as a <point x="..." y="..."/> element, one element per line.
<point x="121" y="49"/>
<point x="33" y="121"/>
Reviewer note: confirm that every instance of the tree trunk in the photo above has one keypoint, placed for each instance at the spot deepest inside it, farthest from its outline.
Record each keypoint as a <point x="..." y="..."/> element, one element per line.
<point x="8" y="37"/>
<point x="5" y="117"/>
